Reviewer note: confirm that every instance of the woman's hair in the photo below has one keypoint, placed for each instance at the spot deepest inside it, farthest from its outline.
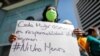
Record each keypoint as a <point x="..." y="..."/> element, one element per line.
<point x="90" y="31"/>
<point x="44" y="14"/>
<point x="30" y="18"/>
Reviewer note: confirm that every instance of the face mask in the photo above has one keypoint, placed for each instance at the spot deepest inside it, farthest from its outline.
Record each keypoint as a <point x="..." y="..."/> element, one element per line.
<point x="51" y="15"/>
<point x="98" y="34"/>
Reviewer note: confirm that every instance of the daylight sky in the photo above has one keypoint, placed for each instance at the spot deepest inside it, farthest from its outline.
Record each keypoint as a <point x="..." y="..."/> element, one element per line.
<point x="66" y="11"/>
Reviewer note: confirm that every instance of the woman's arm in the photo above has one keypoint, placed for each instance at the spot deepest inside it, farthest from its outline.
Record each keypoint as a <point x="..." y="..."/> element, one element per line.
<point x="88" y="48"/>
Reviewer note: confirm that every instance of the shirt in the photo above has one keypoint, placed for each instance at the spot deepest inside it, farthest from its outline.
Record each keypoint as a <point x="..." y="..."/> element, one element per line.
<point x="94" y="45"/>
<point x="82" y="41"/>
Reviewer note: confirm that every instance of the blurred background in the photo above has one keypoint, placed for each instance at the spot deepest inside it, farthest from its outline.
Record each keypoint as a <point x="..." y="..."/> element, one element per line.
<point x="82" y="13"/>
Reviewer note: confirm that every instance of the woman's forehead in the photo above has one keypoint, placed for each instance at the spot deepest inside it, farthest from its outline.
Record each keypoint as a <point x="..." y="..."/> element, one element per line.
<point x="51" y="7"/>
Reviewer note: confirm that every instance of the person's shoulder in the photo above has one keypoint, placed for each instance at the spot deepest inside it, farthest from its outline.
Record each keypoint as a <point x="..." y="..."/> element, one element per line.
<point x="83" y="39"/>
<point x="89" y="38"/>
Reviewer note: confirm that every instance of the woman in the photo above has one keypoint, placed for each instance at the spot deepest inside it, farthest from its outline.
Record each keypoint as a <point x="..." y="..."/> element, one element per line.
<point x="50" y="14"/>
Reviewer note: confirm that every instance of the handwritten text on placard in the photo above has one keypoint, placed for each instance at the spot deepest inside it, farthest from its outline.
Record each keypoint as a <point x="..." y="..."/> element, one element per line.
<point x="35" y="38"/>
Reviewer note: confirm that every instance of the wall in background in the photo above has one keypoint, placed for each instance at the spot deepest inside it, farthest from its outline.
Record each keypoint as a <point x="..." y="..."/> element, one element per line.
<point x="2" y="15"/>
<point x="11" y="17"/>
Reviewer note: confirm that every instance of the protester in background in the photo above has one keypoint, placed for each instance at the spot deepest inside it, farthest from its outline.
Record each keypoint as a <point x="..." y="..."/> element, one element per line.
<point x="82" y="42"/>
<point x="81" y="39"/>
<point x="67" y="22"/>
<point x="30" y="18"/>
<point x="93" y="42"/>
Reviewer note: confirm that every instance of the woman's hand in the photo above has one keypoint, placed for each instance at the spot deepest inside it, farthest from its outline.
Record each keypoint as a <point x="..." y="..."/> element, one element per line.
<point x="78" y="32"/>
<point x="12" y="38"/>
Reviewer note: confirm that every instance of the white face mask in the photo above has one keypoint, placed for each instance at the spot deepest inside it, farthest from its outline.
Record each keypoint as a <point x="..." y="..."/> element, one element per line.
<point x="98" y="33"/>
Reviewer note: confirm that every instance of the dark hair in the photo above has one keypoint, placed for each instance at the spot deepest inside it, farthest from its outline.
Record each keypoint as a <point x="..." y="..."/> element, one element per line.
<point x="30" y="18"/>
<point x="99" y="28"/>
<point x="84" y="34"/>
<point x="89" y="31"/>
<point x="44" y="14"/>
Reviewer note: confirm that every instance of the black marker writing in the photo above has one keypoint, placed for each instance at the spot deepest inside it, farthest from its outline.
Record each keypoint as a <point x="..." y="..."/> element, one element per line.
<point x="22" y="24"/>
<point x="36" y="33"/>
<point x="42" y="26"/>
<point x="19" y="32"/>
<point x="51" y="49"/>
<point x="16" y="46"/>
<point x="35" y="48"/>
<point x="26" y="46"/>
<point x="27" y="39"/>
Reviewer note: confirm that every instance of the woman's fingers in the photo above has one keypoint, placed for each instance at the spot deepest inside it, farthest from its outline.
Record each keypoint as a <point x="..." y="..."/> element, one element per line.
<point x="78" y="32"/>
<point x="12" y="38"/>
